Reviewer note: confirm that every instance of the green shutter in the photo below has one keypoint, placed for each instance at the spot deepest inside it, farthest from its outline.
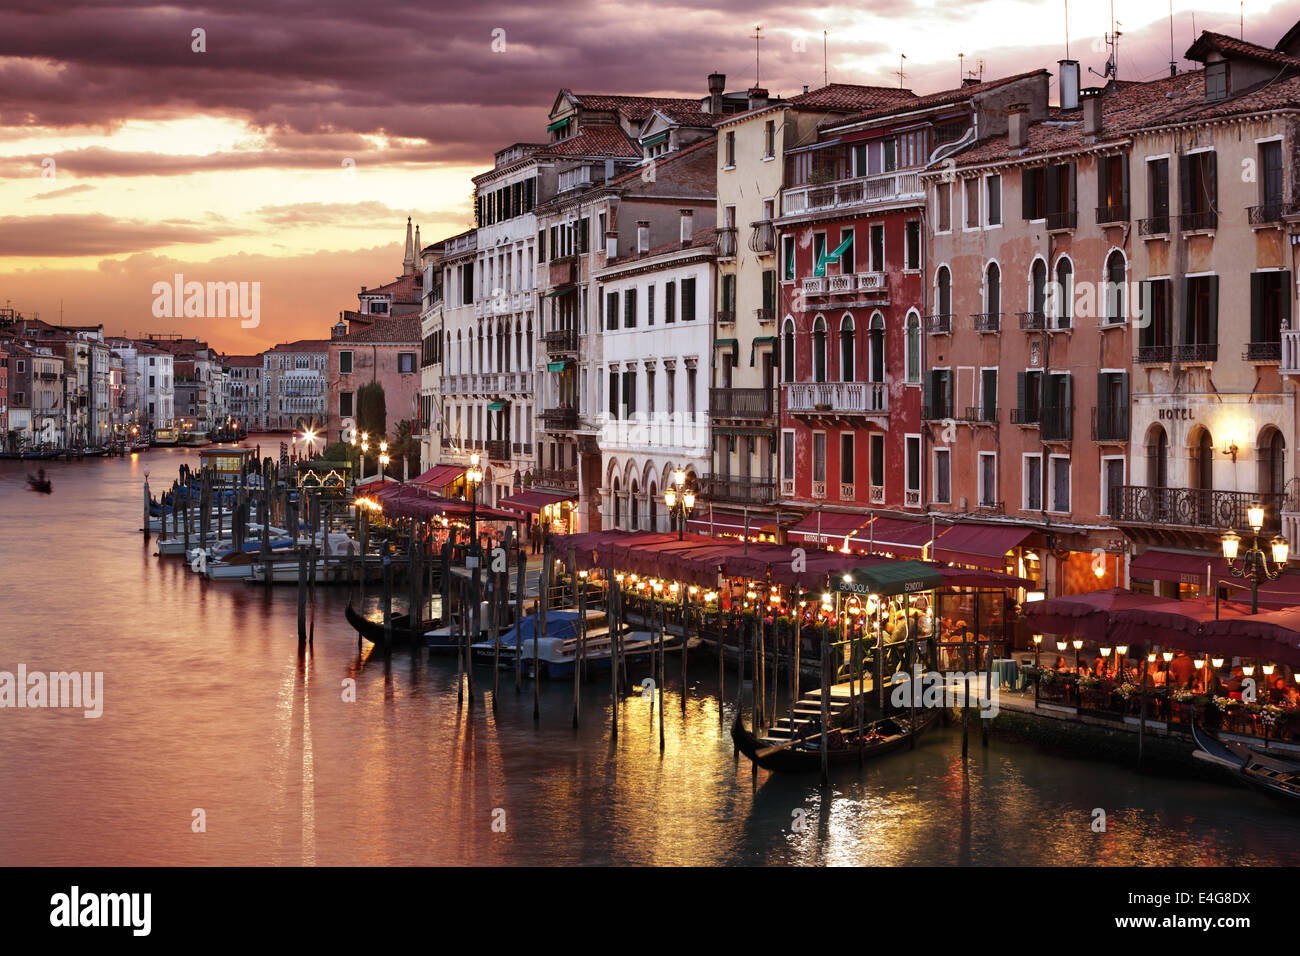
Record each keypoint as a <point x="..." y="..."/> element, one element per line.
<point x="1213" y="337"/>
<point x="1257" y="307"/>
<point x="1212" y="179"/>
<point x="1020" y="394"/>
<point x="1285" y="299"/>
<point x="1053" y="190"/>
<point x="1027" y="191"/>
<point x="1185" y="184"/>
<point x="1074" y="192"/>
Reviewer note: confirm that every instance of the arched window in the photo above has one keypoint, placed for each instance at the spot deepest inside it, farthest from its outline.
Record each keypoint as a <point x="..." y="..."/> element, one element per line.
<point x="993" y="291"/>
<point x="846" y="348"/>
<point x="1038" y="292"/>
<point x="1063" y="293"/>
<point x="819" y="349"/>
<point x="876" y="345"/>
<point x="528" y="355"/>
<point x="653" y="500"/>
<point x="1115" y="287"/>
<point x="943" y="291"/>
<point x="618" y="506"/>
<point x="1272" y="462"/>
<point x="787" y="351"/>
<point x="913" y="343"/>
<point x="632" y="508"/>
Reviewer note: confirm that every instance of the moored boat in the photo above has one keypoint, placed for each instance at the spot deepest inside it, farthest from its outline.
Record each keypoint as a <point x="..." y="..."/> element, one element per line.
<point x="1268" y="774"/>
<point x="802" y="754"/>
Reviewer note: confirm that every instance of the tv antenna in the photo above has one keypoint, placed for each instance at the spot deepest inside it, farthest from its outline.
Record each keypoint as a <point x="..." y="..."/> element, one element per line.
<point x="901" y="58"/>
<point x="758" y="38"/>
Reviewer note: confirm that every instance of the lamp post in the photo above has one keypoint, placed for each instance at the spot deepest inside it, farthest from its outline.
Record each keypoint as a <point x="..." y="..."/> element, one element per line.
<point x="1254" y="563"/>
<point x="680" y="501"/>
<point x="473" y="477"/>
<point x="365" y="447"/>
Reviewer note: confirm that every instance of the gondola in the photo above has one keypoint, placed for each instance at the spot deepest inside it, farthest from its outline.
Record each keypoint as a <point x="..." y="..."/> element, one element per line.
<point x="1270" y="775"/>
<point x="804" y="755"/>
<point x="39" y="484"/>
<point x="374" y="631"/>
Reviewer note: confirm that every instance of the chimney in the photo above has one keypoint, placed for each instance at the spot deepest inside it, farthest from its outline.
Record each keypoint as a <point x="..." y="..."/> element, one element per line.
<point x="1069" y="84"/>
<point x="688" y="226"/>
<point x="717" y="82"/>
<point x="642" y="236"/>
<point x="611" y="244"/>
<point x="969" y="81"/>
<point x="1017" y="125"/>
<point x="757" y="98"/>
<point x="1092" y="112"/>
<point x="609" y="170"/>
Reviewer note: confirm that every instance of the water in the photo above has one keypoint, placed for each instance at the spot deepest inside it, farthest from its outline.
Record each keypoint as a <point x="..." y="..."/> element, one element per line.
<point x="209" y="705"/>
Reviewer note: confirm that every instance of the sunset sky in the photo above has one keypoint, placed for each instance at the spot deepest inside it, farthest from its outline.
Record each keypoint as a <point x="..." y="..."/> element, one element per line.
<point x="229" y="164"/>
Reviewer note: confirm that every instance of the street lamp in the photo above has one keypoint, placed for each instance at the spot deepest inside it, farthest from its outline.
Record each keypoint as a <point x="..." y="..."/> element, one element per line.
<point x="473" y="476"/>
<point x="680" y="501"/>
<point x="1255" y="564"/>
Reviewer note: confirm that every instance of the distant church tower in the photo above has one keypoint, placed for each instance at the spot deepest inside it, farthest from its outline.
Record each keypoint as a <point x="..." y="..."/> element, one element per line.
<point x="408" y="260"/>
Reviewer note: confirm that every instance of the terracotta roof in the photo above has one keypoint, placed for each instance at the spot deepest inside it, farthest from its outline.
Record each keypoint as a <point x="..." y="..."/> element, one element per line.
<point x="849" y="98"/>
<point x="403" y="289"/>
<point x="635" y="107"/>
<point x="669" y="160"/>
<point x="243" y="361"/>
<point x="598" y="140"/>
<point x="700" y="239"/>
<point x="404" y="330"/>
<point x="1233" y="47"/>
<point x="302" y="345"/>
<point x="930" y="100"/>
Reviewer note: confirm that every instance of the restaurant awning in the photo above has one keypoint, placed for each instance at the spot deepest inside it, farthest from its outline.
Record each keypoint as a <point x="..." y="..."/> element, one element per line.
<point x="1284" y="592"/>
<point x="905" y="539"/>
<point x="827" y="527"/>
<point x="439" y="475"/>
<point x="1273" y="637"/>
<point x="1089" y="616"/>
<point x="889" y="578"/>
<point x="1174" y="624"/>
<point x="726" y="521"/>
<point x="985" y="545"/>
<point x="533" y="501"/>
<point x="1157" y="565"/>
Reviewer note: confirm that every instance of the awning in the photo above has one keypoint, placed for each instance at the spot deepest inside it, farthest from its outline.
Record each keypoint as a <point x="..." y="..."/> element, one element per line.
<point x="556" y="366"/>
<point x="985" y="545"/>
<point x="533" y="501"/>
<point x="725" y="521"/>
<point x="1090" y="616"/>
<point x="560" y="290"/>
<point x="904" y="539"/>
<point x="733" y="344"/>
<point x="439" y="475"/>
<point x="656" y="139"/>
<point x="889" y="578"/>
<point x="558" y="124"/>
<point x="496" y="406"/>
<point x="1181" y="568"/>
<point x="827" y="527"/>
<point x="759" y="340"/>
<point x="1284" y="592"/>
<point x="1272" y="637"/>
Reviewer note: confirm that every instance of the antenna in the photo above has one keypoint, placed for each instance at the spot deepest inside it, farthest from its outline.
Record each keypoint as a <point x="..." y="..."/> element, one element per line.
<point x="826" y="72"/>
<point x="1243" y="19"/>
<point x="1067" y="29"/>
<point x="901" y="58"/>
<point x="1173" y="63"/>
<point x="758" y="38"/>
<point x="961" y="68"/>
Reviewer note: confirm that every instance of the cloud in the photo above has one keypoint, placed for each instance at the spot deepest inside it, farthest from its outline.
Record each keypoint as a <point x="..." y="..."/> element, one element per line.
<point x="93" y="234"/>
<point x="67" y="191"/>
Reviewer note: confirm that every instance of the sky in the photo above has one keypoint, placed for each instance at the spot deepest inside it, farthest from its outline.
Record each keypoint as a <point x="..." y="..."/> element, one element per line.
<point x="287" y="143"/>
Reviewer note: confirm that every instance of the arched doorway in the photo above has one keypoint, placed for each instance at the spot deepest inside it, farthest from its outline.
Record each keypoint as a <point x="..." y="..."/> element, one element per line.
<point x="1200" y="475"/>
<point x="1271" y="453"/>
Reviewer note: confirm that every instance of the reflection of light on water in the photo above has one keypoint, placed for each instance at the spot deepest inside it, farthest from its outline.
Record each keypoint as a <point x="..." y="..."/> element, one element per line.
<point x="308" y="773"/>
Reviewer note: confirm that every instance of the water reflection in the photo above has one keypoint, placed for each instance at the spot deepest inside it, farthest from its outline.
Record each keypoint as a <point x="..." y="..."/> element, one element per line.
<point x="210" y="703"/>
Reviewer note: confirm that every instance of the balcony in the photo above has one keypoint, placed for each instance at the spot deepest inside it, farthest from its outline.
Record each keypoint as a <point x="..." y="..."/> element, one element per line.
<point x="1057" y="423"/>
<point x="1110" y="423"/>
<point x="498" y="449"/>
<point x="1026" y="416"/>
<point x="846" y="284"/>
<point x="1197" y="353"/>
<point x="560" y="419"/>
<point x="838" y="398"/>
<point x="740" y="490"/>
<point x="726" y="316"/>
<point x="561" y="341"/>
<point x="846" y="491"/>
<point x="751" y="404"/>
<point x="1063" y="219"/>
<point x="559" y="479"/>
<point x="939" y="324"/>
<point x="1112" y="213"/>
<point x="725" y="245"/>
<point x="886" y="187"/>
<point x="1195" y="507"/>
<point x="563" y="271"/>
<point x="937" y="412"/>
<point x="765" y="316"/>
<point x="987" y="322"/>
<point x="1155" y="354"/>
<point x="876" y="494"/>
<point x="1263" y="353"/>
<point x="1032" y="321"/>
<point x="762" y="237"/>
<point x="1194" y="221"/>
<point x="1269" y="212"/>
<point x="1290" y="352"/>
<point x="1154" y="226"/>
<point x="980" y="416"/>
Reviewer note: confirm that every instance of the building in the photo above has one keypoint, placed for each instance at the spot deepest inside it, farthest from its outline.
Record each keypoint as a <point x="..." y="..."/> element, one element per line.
<point x="296" y="385"/>
<point x="657" y="338"/>
<point x="156" y="379"/>
<point x="246" y="375"/>
<point x="4" y="396"/>
<point x="453" y="320"/>
<point x="432" y="307"/>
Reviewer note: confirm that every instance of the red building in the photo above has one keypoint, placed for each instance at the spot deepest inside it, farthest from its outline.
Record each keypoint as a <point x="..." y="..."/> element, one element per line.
<point x="854" y="306"/>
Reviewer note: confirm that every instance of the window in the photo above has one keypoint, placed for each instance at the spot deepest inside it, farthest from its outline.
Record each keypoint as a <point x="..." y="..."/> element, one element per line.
<point x="877" y="460"/>
<point x="877" y="251"/>
<point x="988" y="479"/>
<point x="993" y="200"/>
<point x="670" y="302"/>
<point x="912" y="342"/>
<point x="1198" y="190"/>
<point x="650" y="392"/>
<point x="846" y="458"/>
<point x="345" y="404"/>
<point x="971" y="188"/>
<point x="993" y="290"/>
<point x="819" y="253"/>
<point x="912" y="244"/>
<point x="1270" y="179"/>
<point x="727" y="291"/>
<point x="688" y="299"/>
<point x="406" y="362"/>
<point x="1155" y="321"/>
<point x="938" y="398"/>
<point x="943" y="291"/>
<point x="846" y="256"/>
<point x="1032" y="491"/>
<point x="1270" y="310"/>
<point x="1060" y="484"/>
<point x="913" y="443"/>
<point x="1157" y="197"/>
<point x="1048" y="192"/>
<point x="650" y="304"/>
<point x="670" y="389"/>
<point x="1029" y="397"/>
<point x="787" y="256"/>
<point x="629" y="309"/>
<point x="942" y="476"/>
<point x="988" y="410"/>
<point x="769" y="139"/>
<point x="1063" y="294"/>
<point x="787" y="455"/>
<point x="629" y="393"/>
<point x="1216" y="80"/>
<point x="1112" y="189"/>
<point x="731" y="149"/>
<point x="846" y="348"/>
<point x="876" y="348"/>
<point x="943" y="207"/>
<point x="1112" y="479"/>
<point x="611" y="310"/>
<point x="345" y="363"/>
<point x="1200" y="334"/>
<point x="1057" y="418"/>
<point x="769" y="294"/>
<point x="787" y="352"/>
<point x="819" y="349"/>
<point x="690" y="392"/>
<point x="614" y="410"/>
<point x="819" y="457"/>
<point x="1115" y="276"/>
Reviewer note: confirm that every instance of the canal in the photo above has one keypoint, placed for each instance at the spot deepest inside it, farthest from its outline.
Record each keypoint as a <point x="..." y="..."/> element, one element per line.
<point x="210" y="714"/>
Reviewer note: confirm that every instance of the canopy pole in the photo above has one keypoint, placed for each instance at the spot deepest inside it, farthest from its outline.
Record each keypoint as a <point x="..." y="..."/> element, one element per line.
<point x="1142" y="709"/>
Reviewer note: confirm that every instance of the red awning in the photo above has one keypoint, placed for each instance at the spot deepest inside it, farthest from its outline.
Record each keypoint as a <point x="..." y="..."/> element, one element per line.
<point x="1284" y="592"/>
<point x="905" y="539"/>
<point x="1182" y="568"/>
<point x="724" y="521"/>
<point x="827" y="527"/>
<point x="1178" y="624"/>
<point x="533" y="501"/>
<point x="1273" y="636"/>
<point x="985" y="545"/>
<point x="439" y="475"/>
<point x="1089" y="616"/>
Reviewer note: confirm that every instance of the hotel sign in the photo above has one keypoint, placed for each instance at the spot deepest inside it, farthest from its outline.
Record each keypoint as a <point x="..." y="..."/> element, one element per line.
<point x="1176" y="415"/>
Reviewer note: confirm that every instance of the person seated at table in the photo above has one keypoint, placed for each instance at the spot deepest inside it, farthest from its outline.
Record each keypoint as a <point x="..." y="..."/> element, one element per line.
<point x="1182" y="670"/>
<point x="1159" y="678"/>
<point x="1233" y="684"/>
<point x="1081" y="666"/>
<point x="1278" y="694"/>
<point x="1100" y="668"/>
<point x="1060" y="663"/>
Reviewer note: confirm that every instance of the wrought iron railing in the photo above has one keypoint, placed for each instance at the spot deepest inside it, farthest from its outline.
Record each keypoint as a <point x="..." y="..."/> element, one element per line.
<point x="939" y="323"/>
<point x="1112" y="212"/>
<point x="1153" y="226"/>
<point x="1205" y="219"/>
<point x="1155" y="354"/>
<point x="1263" y="352"/>
<point x="560" y="419"/>
<point x="749" y="403"/>
<point x="1064" y="219"/>
<point x="1032" y="321"/>
<point x="1057" y="423"/>
<point x="559" y="341"/>
<point x="1110" y="423"/>
<point x="987" y="321"/>
<point x="740" y="490"/>
<point x="1197" y="352"/>
<point x="1195" y="507"/>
